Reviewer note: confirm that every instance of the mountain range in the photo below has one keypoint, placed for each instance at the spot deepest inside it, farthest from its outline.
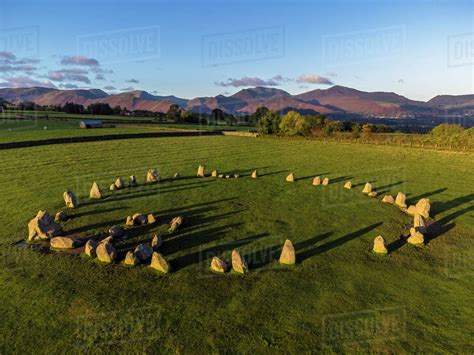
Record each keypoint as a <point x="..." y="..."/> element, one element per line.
<point x="335" y="100"/>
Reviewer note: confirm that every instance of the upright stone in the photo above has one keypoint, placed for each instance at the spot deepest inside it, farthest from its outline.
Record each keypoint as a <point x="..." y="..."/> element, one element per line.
<point x="90" y="247"/>
<point x="42" y="227"/>
<point x="119" y="183"/>
<point x="150" y="219"/>
<point x="113" y="187"/>
<point x="388" y="199"/>
<point x="61" y="216"/>
<point x="139" y="219"/>
<point x="325" y="181"/>
<point x="158" y="262"/>
<point x="96" y="191"/>
<point x="218" y="265"/>
<point x="290" y="178"/>
<point x="116" y="231"/>
<point x="131" y="259"/>
<point x="106" y="252"/>
<point x="367" y="188"/>
<point x="176" y="176"/>
<point x="63" y="243"/>
<point x="152" y="176"/>
<point x="255" y="174"/>
<point x="156" y="242"/>
<point x="317" y="181"/>
<point x="416" y="237"/>
<point x="129" y="221"/>
<point x="175" y="223"/>
<point x="143" y="251"/>
<point x="200" y="171"/>
<point x="419" y="223"/>
<point x="132" y="181"/>
<point x="372" y="194"/>
<point x="238" y="263"/>
<point x="379" y="246"/>
<point x="287" y="256"/>
<point x="423" y="207"/>
<point x="214" y="173"/>
<point x="348" y="185"/>
<point x="70" y="199"/>
<point x="400" y="200"/>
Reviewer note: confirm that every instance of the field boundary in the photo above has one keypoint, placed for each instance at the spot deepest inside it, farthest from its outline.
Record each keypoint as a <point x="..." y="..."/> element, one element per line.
<point x="109" y="137"/>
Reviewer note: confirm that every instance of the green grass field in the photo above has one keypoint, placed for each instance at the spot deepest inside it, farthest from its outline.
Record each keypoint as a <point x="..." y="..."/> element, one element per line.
<point x="338" y="298"/>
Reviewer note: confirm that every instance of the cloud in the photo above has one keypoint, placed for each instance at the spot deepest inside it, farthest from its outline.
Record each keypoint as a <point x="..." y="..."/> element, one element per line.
<point x="313" y="79"/>
<point x="59" y="75"/>
<point x="130" y="88"/>
<point x="401" y="81"/>
<point x="13" y="68"/>
<point x="99" y="70"/>
<point x="332" y="74"/>
<point x="9" y="63"/>
<point x="110" y="88"/>
<point x="133" y="81"/>
<point x="9" y="56"/>
<point x="80" y="60"/>
<point x="251" y="81"/>
<point x="68" y="86"/>
<point x="99" y="77"/>
<point x="22" y="81"/>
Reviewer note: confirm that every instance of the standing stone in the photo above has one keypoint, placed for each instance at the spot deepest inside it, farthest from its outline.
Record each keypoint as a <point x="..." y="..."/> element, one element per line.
<point x="132" y="181"/>
<point x="379" y="246"/>
<point x="348" y="185"/>
<point x="400" y="200"/>
<point x="156" y="242"/>
<point x="288" y="256"/>
<point x="236" y="176"/>
<point x="176" y="176"/>
<point x="116" y="231"/>
<point x="42" y="227"/>
<point x="388" y="199"/>
<point x="90" y="247"/>
<point x="61" y="216"/>
<point x="423" y="207"/>
<point x="158" y="262"/>
<point x="143" y="251"/>
<point x="113" y="187"/>
<point x="106" y="252"/>
<point x="416" y="237"/>
<point x="152" y="176"/>
<point x="317" y="181"/>
<point x="200" y="172"/>
<point x="367" y="188"/>
<point x="221" y="176"/>
<point x="255" y="174"/>
<point x="70" y="199"/>
<point x="131" y="259"/>
<point x="175" y="223"/>
<point x="214" y="173"/>
<point x="419" y="224"/>
<point x="227" y="176"/>
<point x="372" y="194"/>
<point x="325" y="181"/>
<point x="290" y="178"/>
<point x="119" y="183"/>
<point x="218" y="265"/>
<point x="139" y="219"/>
<point x="96" y="191"/>
<point x="129" y="222"/>
<point x="238" y="263"/>
<point x="64" y="243"/>
<point x="150" y="219"/>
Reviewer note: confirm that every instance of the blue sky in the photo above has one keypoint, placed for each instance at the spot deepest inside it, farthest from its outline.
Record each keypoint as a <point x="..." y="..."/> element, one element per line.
<point x="202" y="48"/>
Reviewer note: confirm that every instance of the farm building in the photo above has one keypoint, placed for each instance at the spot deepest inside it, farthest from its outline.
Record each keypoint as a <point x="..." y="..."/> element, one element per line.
<point x="91" y="124"/>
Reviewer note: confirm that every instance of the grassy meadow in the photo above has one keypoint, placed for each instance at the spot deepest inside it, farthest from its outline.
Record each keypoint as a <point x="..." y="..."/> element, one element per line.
<point x="339" y="297"/>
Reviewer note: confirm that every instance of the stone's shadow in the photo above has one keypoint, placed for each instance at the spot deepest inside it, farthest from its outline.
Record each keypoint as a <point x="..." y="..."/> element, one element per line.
<point x="397" y="244"/>
<point x="335" y="243"/>
<point x="311" y="177"/>
<point x="203" y="256"/>
<point x="414" y="199"/>
<point x="95" y="212"/>
<point x="388" y="186"/>
<point x="438" y="207"/>
<point x="339" y="179"/>
<point x="363" y="183"/>
<point x="273" y="173"/>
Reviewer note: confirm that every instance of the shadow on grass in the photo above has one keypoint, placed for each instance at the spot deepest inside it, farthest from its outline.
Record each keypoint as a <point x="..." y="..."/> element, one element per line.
<point x="95" y="212"/>
<point x="414" y="199"/>
<point x="340" y="178"/>
<point x="388" y="186"/>
<point x="310" y="177"/>
<point x="363" y="183"/>
<point x="438" y="207"/>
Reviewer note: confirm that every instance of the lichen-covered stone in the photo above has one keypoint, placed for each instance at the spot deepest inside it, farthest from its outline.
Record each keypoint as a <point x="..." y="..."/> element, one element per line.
<point x="416" y="238"/>
<point x="119" y="183"/>
<point x="379" y="246"/>
<point x="317" y="181"/>
<point x="42" y="227"/>
<point x="214" y="173"/>
<point x="90" y="247"/>
<point x="96" y="191"/>
<point x="200" y="171"/>
<point x="150" y="219"/>
<point x="218" y="265"/>
<point x="158" y="262"/>
<point x="290" y="178"/>
<point x="152" y="176"/>
<point x="325" y="181"/>
<point x="238" y="263"/>
<point x="143" y="251"/>
<point x="64" y="243"/>
<point x="367" y="188"/>
<point x="348" y="185"/>
<point x="131" y="259"/>
<point x="106" y="252"/>
<point x="400" y="200"/>
<point x="255" y="174"/>
<point x="288" y="256"/>
<point x="70" y="199"/>
<point x="156" y="242"/>
<point x="61" y="216"/>
<point x="175" y="223"/>
<point x="388" y="199"/>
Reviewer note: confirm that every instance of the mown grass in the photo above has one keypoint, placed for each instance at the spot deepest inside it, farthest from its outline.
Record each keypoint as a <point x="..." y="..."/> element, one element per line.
<point x="338" y="298"/>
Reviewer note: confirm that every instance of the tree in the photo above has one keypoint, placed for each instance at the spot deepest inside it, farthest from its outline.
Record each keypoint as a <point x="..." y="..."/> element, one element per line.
<point x="293" y="124"/>
<point x="268" y="123"/>
<point x="174" y="113"/>
<point x="258" y="114"/>
<point x="218" y="114"/>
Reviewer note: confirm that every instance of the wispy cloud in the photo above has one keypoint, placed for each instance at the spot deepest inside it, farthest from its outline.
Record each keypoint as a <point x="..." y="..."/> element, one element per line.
<point x="22" y="81"/>
<point x="10" y="64"/>
<point x="133" y="81"/>
<point x="68" y="86"/>
<point x="80" y="60"/>
<point x="401" y="81"/>
<point x="251" y="81"/>
<point x="110" y="88"/>
<point x="99" y="77"/>
<point x="59" y="75"/>
<point x="313" y="79"/>
<point x="130" y="88"/>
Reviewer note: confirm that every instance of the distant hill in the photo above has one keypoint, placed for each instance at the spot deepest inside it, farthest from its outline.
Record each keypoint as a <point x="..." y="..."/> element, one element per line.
<point x="337" y="99"/>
